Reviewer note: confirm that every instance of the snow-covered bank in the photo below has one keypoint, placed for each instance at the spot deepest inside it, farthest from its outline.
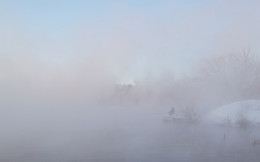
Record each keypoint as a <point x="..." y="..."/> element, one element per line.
<point x="247" y="110"/>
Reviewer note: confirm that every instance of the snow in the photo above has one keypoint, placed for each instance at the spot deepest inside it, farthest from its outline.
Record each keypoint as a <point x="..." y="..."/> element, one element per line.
<point x="232" y="113"/>
<point x="172" y="118"/>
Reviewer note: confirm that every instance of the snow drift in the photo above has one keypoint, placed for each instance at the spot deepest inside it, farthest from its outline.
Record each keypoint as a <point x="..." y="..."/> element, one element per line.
<point x="241" y="111"/>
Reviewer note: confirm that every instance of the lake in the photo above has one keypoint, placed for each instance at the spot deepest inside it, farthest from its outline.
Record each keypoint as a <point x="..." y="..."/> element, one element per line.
<point x="121" y="136"/>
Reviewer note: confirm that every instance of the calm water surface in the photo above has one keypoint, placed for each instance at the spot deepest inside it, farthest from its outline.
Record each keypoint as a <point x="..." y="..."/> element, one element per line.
<point x="124" y="137"/>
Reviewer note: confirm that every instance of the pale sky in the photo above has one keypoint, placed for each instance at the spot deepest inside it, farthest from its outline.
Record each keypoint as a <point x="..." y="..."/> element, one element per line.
<point x="124" y="38"/>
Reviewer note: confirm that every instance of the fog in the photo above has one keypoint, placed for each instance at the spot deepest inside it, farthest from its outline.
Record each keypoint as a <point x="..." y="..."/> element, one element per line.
<point x="93" y="81"/>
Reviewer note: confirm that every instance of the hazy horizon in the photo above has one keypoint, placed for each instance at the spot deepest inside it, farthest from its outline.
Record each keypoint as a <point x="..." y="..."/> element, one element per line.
<point x="93" y="80"/>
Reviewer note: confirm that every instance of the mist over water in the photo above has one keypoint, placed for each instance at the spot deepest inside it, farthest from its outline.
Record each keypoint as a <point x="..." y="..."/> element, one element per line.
<point x="121" y="135"/>
<point x="94" y="81"/>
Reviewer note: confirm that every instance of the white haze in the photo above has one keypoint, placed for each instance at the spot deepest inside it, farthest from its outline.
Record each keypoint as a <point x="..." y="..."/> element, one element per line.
<point x="60" y="95"/>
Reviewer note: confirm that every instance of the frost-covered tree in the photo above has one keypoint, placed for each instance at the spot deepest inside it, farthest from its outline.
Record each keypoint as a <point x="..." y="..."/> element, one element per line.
<point x="234" y="75"/>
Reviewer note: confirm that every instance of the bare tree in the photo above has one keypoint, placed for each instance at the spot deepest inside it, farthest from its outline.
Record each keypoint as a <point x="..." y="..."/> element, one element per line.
<point x="190" y="113"/>
<point x="236" y="73"/>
